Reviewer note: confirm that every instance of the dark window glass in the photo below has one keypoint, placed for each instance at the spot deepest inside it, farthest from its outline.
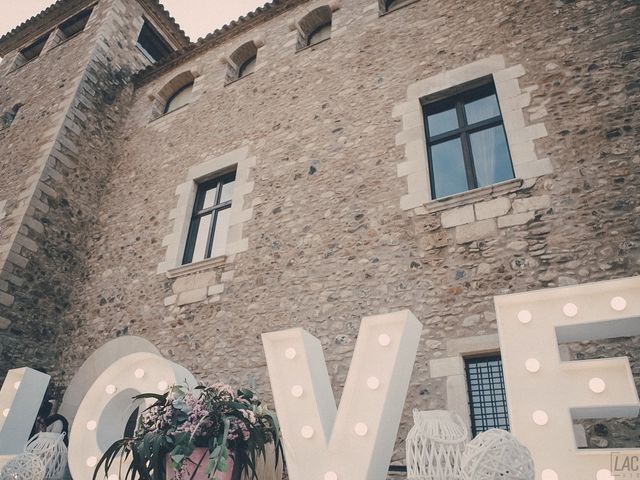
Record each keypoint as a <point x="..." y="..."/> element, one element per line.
<point x="35" y="49"/>
<point x="75" y="24"/>
<point x="442" y="122"/>
<point x="152" y="44"/>
<point x="179" y="99"/>
<point x="321" y="33"/>
<point x="466" y="142"/>
<point x="210" y="221"/>
<point x="247" y="67"/>
<point x="448" y="168"/>
<point x="487" y="397"/>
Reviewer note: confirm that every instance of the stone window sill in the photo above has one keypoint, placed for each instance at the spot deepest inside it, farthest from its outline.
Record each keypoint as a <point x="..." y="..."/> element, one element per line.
<point x="309" y="47"/>
<point x="397" y="7"/>
<point x="66" y="39"/>
<point x="196" y="266"/>
<point x="231" y="82"/>
<point x="473" y="196"/>
<point x="169" y="113"/>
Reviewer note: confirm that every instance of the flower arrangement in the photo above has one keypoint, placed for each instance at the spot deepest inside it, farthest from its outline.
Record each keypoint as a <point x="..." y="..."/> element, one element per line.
<point x="227" y="423"/>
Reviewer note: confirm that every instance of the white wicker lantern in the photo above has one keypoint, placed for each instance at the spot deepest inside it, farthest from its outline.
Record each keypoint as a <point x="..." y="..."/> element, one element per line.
<point x="497" y="455"/>
<point x="435" y="445"/>
<point x="25" y="466"/>
<point x="52" y="451"/>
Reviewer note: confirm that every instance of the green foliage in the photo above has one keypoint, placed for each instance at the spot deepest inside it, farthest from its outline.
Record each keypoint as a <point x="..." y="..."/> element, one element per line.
<point x="226" y="423"/>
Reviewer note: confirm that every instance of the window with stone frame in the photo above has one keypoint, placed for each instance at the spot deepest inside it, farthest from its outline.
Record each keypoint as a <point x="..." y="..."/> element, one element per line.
<point x="72" y="26"/>
<point x="315" y="27"/>
<point x="487" y="395"/>
<point x="151" y="43"/>
<point x="7" y="118"/>
<point x="31" y="51"/>
<point x="390" y="5"/>
<point x="242" y="61"/>
<point x="207" y="237"/>
<point x="179" y="98"/>
<point x="466" y="141"/>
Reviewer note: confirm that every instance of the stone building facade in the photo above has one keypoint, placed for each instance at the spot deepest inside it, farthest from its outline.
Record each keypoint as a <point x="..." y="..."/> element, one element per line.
<point x="333" y="216"/>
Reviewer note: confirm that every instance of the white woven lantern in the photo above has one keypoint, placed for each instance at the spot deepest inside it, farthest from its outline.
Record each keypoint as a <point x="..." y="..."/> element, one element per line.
<point x="497" y="455"/>
<point x="25" y="466"/>
<point x="52" y="451"/>
<point x="435" y="445"/>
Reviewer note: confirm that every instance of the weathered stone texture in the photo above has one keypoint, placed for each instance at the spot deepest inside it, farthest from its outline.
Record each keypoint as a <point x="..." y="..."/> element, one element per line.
<point x="328" y="241"/>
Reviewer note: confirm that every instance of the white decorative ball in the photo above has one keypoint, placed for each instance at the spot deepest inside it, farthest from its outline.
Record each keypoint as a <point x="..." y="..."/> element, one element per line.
<point x="25" y="466"/>
<point x="497" y="455"/>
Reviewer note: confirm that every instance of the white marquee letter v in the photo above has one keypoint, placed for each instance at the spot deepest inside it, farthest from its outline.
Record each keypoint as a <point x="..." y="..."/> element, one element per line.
<point x="355" y="442"/>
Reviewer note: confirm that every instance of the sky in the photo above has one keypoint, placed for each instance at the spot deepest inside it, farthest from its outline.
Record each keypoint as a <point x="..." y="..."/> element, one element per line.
<point x="196" y="17"/>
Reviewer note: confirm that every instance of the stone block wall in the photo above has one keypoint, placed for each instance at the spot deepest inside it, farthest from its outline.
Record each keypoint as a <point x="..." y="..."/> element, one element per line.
<point x="329" y="240"/>
<point x="327" y="237"/>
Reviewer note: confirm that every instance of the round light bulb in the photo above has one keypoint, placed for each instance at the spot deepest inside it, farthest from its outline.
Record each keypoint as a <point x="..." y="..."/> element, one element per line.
<point x="5" y="412"/>
<point x="373" y="383"/>
<point x="307" y="432"/>
<point x="384" y="340"/>
<point x="290" y="353"/>
<point x="605" y="474"/>
<point x="597" y="385"/>
<point x="549" y="474"/>
<point x="139" y="373"/>
<point x="162" y="385"/>
<point x="92" y="461"/>
<point x="331" y="476"/>
<point x="540" y="417"/>
<point x="532" y="365"/>
<point x="297" y="391"/>
<point x="570" y="310"/>
<point x="361" y="429"/>
<point x="618" y="304"/>
<point x="91" y="425"/>
<point x="110" y="389"/>
<point x="524" y="316"/>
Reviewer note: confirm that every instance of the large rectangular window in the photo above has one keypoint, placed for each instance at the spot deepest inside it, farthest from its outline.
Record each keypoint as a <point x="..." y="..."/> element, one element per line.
<point x="466" y="141"/>
<point x="151" y="43"/>
<point x="210" y="220"/>
<point x="487" y="396"/>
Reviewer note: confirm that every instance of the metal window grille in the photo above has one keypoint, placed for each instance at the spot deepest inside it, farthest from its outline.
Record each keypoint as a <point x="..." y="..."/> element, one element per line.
<point x="487" y="397"/>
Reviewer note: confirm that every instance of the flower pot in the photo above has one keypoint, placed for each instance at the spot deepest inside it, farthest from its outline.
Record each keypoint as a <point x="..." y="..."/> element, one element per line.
<point x="197" y="463"/>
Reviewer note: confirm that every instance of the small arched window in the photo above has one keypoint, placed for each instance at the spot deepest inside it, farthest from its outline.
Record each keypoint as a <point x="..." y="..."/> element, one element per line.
<point x="176" y="93"/>
<point x="315" y="27"/>
<point x="388" y="5"/>
<point x="248" y="67"/>
<point x="321" y="33"/>
<point x="179" y="99"/>
<point x="243" y="60"/>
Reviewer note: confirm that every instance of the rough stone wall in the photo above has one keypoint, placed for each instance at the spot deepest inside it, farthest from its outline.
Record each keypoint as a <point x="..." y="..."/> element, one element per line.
<point x="49" y="220"/>
<point x="327" y="240"/>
